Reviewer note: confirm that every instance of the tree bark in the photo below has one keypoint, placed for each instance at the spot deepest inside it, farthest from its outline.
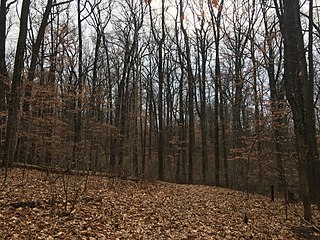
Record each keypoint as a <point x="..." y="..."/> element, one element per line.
<point x="202" y="48"/>
<point x="35" y="53"/>
<point x="160" y="41"/>
<point x="299" y="93"/>
<point x="190" y="77"/>
<point x="3" y="67"/>
<point x="277" y="105"/>
<point x="3" y="75"/>
<point x="14" y="99"/>
<point x="313" y="157"/>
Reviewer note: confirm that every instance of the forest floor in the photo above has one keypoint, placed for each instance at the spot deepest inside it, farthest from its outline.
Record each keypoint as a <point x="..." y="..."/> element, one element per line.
<point x="38" y="205"/>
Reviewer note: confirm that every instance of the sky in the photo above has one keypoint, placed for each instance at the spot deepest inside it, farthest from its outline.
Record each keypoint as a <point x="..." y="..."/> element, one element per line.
<point x="171" y="8"/>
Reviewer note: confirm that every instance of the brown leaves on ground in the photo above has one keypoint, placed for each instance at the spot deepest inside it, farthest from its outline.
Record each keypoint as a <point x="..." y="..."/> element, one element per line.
<point x="124" y="209"/>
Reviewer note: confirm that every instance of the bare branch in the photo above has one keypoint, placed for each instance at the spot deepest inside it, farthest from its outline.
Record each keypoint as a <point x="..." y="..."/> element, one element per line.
<point x="61" y="3"/>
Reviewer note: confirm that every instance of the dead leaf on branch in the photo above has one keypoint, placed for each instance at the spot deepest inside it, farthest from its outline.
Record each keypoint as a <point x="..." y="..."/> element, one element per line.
<point x="215" y="4"/>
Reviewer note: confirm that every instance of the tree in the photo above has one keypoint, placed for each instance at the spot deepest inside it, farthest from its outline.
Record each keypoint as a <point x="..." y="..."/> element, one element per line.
<point x="299" y="93"/>
<point x="14" y="98"/>
<point x="127" y="42"/>
<point x="181" y="171"/>
<point x="237" y="45"/>
<point x="3" y="67"/>
<point x="190" y="77"/>
<point x="313" y="155"/>
<point x="160" y="39"/>
<point x="218" y="97"/>
<point x="35" y="51"/>
<point x="277" y="95"/>
<point x="204" y="41"/>
<point x="3" y="72"/>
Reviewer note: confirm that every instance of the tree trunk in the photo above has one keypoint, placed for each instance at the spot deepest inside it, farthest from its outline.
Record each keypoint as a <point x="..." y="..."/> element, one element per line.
<point x="203" y="48"/>
<point x="257" y="114"/>
<point x="77" y="116"/>
<point x="35" y="53"/>
<point x="218" y="100"/>
<point x="3" y="67"/>
<point x="300" y="96"/>
<point x="313" y="156"/>
<point x="160" y="42"/>
<point x="190" y="77"/>
<point x="14" y="99"/>
<point x="94" y="92"/>
<point x="277" y="105"/>
<point x="3" y="75"/>
<point x="217" y="87"/>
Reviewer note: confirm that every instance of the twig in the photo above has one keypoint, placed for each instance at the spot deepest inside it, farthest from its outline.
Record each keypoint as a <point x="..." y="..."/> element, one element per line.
<point x="313" y="226"/>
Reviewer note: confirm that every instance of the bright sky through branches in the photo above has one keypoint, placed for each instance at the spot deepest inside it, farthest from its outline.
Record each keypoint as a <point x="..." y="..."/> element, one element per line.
<point x="193" y="11"/>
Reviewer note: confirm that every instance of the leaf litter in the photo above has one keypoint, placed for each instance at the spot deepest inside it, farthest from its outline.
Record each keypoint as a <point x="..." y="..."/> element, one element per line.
<point x="32" y="207"/>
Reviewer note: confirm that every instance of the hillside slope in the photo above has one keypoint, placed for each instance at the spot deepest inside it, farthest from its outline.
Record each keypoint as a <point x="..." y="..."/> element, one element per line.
<point x="36" y="205"/>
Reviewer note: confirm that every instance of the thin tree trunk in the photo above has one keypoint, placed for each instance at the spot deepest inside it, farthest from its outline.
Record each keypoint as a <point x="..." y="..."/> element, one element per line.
<point x="257" y="115"/>
<point x="277" y="106"/>
<point x="77" y="118"/>
<point x="203" y="48"/>
<point x="3" y="76"/>
<point x="94" y="104"/>
<point x="160" y="41"/>
<point x="190" y="77"/>
<point x="3" y="66"/>
<point x="218" y="101"/>
<point x="313" y="156"/>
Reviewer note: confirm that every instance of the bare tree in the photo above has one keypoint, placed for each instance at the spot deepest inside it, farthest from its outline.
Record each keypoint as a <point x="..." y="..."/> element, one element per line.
<point x="160" y="39"/>
<point x="190" y="77"/>
<point x="3" y="67"/>
<point x="237" y="43"/>
<point x="216" y="17"/>
<point x="14" y="98"/>
<point x="299" y="93"/>
<point x="128" y="30"/>
<point x="273" y="66"/>
<point x="204" y="42"/>
<point x="3" y="73"/>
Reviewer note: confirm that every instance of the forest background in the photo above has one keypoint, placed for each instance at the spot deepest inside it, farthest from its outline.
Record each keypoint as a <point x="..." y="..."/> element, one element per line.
<point x="221" y="93"/>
